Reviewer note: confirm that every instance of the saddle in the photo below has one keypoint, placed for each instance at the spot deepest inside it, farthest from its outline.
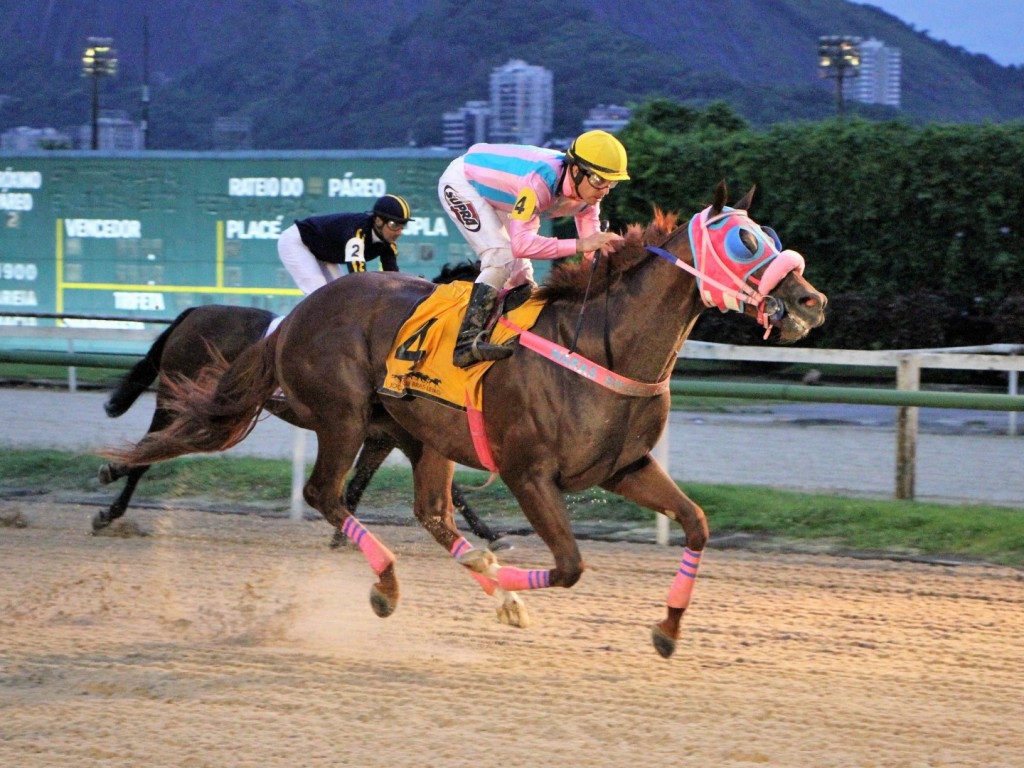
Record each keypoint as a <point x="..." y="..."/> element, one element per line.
<point x="420" y="361"/>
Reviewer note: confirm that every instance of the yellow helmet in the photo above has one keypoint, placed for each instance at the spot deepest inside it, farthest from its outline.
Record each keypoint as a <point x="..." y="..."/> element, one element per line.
<point x="601" y="153"/>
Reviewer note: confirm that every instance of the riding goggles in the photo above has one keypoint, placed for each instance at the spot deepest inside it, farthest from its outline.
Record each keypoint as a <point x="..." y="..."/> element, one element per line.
<point x="599" y="183"/>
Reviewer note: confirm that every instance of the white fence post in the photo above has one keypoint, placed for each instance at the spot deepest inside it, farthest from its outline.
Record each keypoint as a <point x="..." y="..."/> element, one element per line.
<point x="72" y="371"/>
<point x="1011" y="427"/>
<point x="661" y="454"/>
<point x="298" y="506"/>
<point x="908" y="378"/>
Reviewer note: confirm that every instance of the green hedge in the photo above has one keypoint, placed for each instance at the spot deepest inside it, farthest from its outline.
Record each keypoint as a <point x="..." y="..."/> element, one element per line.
<point x="916" y="232"/>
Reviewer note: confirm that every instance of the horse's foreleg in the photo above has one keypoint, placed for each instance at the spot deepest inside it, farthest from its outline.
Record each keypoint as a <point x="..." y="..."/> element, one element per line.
<point x="543" y="506"/>
<point x="646" y="483"/>
<point x="375" y="449"/>
<point x="413" y="450"/>
<point x="479" y="527"/>
<point x="432" y="493"/>
<point x="338" y="443"/>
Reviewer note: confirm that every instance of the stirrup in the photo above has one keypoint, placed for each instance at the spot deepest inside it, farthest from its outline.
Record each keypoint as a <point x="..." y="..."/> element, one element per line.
<point x="478" y="351"/>
<point x="484" y="350"/>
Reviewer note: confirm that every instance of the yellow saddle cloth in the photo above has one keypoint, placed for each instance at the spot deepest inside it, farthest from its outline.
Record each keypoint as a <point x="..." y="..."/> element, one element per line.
<point x="420" y="362"/>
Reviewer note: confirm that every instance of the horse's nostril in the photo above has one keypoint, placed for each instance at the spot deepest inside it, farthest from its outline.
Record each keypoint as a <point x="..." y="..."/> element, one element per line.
<point x="814" y="300"/>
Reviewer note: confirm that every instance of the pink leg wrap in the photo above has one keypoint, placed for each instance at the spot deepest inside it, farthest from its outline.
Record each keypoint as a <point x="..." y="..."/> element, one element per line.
<point x="682" y="586"/>
<point x="376" y="553"/>
<point x="460" y="547"/>
<point x="516" y="579"/>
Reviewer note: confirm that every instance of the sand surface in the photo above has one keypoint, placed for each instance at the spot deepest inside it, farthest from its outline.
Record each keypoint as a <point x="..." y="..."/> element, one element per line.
<point x="236" y="641"/>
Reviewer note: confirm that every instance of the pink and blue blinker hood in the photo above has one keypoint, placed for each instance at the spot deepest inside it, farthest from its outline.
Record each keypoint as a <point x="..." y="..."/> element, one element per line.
<point x="728" y="249"/>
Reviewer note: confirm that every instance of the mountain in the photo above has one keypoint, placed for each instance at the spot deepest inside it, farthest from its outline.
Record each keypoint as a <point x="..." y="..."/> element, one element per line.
<point x="315" y="74"/>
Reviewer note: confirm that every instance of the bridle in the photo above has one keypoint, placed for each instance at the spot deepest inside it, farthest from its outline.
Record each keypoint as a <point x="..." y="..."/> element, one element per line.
<point x="769" y="309"/>
<point x="770" y="262"/>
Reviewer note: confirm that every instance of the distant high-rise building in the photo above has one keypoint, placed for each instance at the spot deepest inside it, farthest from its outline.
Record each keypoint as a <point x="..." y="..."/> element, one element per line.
<point x="607" y="117"/>
<point x="466" y="125"/>
<point x="23" y="137"/>
<point x="879" y="75"/>
<point x="232" y="133"/>
<point x="114" y="131"/>
<point x="522" y="103"/>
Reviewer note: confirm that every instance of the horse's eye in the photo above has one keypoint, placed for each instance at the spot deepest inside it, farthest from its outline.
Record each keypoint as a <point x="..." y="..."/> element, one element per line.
<point x="748" y="239"/>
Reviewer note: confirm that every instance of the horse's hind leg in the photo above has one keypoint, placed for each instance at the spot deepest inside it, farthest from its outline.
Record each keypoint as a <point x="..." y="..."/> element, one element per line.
<point x="432" y="481"/>
<point x="412" y="449"/>
<point x="647" y="483"/>
<point x="375" y="449"/>
<point x="338" y="442"/>
<point x="108" y="474"/>
<point x="542" y="503"/>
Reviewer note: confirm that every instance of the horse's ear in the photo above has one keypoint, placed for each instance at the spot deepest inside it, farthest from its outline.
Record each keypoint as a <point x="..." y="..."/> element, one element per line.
<point x="748" y="199"/>
<point x="720" y="198"/>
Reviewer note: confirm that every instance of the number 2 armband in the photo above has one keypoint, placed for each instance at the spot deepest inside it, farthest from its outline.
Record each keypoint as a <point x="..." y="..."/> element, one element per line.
<point x="355" y="250"/>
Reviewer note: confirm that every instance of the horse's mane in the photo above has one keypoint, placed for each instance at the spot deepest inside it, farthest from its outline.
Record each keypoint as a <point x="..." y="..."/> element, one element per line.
<point x="464" y="270"/>
<point x="569" y="281"/>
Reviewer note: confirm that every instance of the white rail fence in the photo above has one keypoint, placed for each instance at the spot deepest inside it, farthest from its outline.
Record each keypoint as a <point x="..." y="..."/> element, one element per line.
<point x="906" y="364"/>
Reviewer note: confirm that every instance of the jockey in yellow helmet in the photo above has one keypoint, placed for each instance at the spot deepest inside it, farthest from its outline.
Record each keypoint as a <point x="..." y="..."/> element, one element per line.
<point x="497" y="195"/>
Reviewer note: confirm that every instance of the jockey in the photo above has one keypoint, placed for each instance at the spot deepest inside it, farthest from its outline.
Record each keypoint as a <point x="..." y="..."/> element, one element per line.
<point x="312" y="249"/>
<point x="496" y="195"/>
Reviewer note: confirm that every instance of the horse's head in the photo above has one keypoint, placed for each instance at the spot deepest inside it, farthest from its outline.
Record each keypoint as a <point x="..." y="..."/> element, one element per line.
<point x="742" y="266"/>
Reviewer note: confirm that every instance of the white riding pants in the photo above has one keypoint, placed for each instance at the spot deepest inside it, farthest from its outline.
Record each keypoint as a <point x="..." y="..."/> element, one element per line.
<point x="308" y="272"/>
<point x="485" y="229"/>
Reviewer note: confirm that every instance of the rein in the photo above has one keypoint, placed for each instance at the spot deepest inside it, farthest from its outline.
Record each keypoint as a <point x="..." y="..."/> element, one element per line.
<point x="583" y="306"/>
<point x="768" y="307"/>
<point x="588" y="369"/>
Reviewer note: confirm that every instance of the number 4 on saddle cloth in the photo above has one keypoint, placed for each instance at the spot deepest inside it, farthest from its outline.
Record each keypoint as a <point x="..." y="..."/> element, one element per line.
<point x="420" y="362"/>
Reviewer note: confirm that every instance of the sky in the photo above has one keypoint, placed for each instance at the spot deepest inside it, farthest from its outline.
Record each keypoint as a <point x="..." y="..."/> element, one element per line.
<point x="992" y="27"/>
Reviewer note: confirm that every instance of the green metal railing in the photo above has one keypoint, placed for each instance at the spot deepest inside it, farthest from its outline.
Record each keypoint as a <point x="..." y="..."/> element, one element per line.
<point x="785" y="392"/>
<point x="850" y="395"/>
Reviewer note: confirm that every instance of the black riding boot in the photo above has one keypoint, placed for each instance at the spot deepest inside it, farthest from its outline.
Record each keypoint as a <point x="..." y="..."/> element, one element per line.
<point x="473" y="344"/>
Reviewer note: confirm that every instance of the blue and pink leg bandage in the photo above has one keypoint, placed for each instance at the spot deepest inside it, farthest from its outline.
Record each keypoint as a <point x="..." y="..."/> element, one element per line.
<point x="508" y="578"/>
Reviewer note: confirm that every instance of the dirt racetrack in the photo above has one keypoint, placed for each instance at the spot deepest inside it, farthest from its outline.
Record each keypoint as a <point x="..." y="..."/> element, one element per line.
<point x="236" y="641"/>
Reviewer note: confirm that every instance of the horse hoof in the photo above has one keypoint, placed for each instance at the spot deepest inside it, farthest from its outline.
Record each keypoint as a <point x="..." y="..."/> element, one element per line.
<point x="382" y="605"/>
<point x="663" y="644"/>
<point x="337" y="540"/>
<point x="105" y="475"/>
<point x="479" y="560"/>
<point x="99" y="522"/>
<point x="513" y="612"/>
<point x="499" y="544"/>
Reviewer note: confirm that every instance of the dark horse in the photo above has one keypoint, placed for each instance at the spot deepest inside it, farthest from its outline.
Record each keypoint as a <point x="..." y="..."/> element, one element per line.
<point x="550" y="430"/>
<point x="192" y="342"/>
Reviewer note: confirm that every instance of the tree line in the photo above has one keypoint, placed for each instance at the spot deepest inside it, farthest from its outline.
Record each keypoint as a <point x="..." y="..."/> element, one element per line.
<point x="914" y="232"/>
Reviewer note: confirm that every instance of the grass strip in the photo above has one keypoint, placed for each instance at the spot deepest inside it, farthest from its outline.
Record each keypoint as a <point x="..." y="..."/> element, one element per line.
<point x="887" y="527"/>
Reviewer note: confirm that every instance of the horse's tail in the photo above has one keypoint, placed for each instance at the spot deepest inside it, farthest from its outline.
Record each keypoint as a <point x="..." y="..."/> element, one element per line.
<point x="212" y="412"/>
<point x="142" y="374"/>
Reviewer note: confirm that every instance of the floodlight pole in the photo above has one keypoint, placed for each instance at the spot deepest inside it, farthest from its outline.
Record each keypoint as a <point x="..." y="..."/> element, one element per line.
<point x="839" y="57"/>
<point x="99" y="60"/>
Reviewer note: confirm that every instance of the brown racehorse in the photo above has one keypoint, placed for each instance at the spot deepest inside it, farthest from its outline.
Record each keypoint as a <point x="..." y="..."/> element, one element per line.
<point x="193" y="341"/>
<point x="550" y="431"/>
